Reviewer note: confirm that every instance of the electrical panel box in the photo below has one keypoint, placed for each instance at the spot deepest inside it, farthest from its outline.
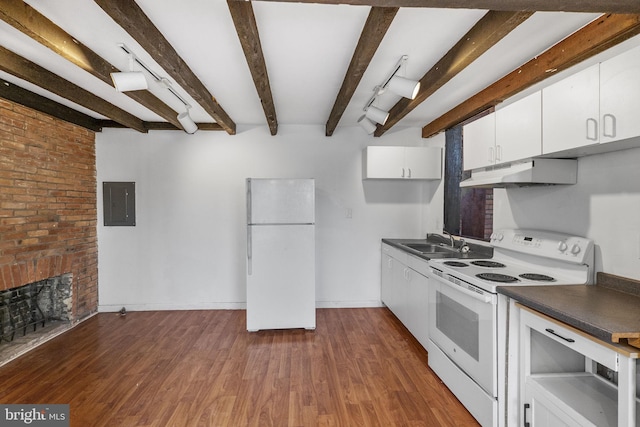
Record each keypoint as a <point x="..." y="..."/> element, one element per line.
<point x="119" y="203"/>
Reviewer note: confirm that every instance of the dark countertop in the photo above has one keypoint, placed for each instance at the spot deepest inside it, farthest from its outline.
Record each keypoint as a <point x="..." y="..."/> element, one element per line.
<point x="609" y="310"/>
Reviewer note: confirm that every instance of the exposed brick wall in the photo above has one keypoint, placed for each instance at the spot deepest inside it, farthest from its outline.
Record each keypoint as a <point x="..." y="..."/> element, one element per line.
<point x="47" y="203"/>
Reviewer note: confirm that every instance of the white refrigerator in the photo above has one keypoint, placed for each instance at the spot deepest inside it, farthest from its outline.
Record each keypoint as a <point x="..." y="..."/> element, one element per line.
<point x="281" y="289"/>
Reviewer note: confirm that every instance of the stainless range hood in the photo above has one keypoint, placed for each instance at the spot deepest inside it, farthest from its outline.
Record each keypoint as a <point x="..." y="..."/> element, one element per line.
<point x="531" y="172"/>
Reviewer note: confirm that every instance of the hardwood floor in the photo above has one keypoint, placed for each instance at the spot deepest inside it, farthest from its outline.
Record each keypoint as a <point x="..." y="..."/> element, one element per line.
<point x="360" y="367"/>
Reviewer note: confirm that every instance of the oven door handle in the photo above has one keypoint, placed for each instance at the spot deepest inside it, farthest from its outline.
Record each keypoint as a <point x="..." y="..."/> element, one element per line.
<point x="475" y="295"/>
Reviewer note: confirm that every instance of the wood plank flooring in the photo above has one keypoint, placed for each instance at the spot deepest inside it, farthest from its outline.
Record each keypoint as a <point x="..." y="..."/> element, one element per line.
<point x="360" y="367"/>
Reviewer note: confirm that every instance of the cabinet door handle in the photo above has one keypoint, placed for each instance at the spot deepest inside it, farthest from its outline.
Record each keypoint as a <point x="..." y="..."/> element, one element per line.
<point x="409" y="169"/>
<point x="498" y="152"/>
<point x="402" y="176"/>
<point x="612" y="120"/>
<point x="490" y="155"/>
<point x="526" y="423"/>
<point x="552" y="332"/>
<point x="593" y="122"/>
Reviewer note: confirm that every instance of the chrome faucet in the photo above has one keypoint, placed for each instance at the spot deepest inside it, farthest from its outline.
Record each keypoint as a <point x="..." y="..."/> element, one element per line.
<point x="450" y="238"/>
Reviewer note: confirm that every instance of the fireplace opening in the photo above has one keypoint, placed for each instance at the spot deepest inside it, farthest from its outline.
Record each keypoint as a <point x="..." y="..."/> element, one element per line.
<point x="32" y="313"/>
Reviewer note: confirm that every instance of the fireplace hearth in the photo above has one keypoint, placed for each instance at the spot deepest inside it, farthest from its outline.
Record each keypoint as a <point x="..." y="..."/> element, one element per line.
<point x="32" y="313"/>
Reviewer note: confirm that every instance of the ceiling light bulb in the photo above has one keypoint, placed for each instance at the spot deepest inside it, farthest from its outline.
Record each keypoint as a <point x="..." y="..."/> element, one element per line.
<point x="129" y="80"/>
<point x="404" y="87"/>
<point x="187" y="122"/>
<point x="377" y="115"/>
<point x="367" y="125"/>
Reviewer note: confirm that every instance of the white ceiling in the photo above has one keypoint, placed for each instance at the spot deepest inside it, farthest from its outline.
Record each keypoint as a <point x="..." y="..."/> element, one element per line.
<point x="307" y="49"/>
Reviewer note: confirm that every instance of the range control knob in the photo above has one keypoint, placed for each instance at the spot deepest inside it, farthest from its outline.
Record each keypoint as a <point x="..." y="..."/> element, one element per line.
<point x="575" y="249"/>
<point x="562" y="246"/>
<point x="499" y="237"/>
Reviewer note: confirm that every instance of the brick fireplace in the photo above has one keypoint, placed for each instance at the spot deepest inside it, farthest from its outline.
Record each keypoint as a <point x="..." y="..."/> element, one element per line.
<point x="48" y="205"/>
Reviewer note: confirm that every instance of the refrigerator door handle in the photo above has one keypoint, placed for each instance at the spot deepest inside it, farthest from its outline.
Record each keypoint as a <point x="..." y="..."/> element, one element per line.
<point x="249" y="251"/>
<point x="248" y="201"/>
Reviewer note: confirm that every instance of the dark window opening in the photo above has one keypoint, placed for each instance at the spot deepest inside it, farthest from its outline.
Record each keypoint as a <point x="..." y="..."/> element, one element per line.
<point x="468" y="212"/>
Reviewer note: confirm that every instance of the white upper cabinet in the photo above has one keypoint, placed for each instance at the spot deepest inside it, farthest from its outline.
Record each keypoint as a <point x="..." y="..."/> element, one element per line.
<point x="479" y="144"/>
<point x="519" y="129"/>
<point x="510" y="134"/>
<point x="583" y="114"/>
<point x="423" y="162"/>
<point x="570" y="112"/>
<point x="394" y="162"/>
<point x="620" y="97"/>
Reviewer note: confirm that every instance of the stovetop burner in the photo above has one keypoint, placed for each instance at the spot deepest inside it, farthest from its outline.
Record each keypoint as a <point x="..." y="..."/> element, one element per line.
<point x="496" y="277"/>
<point x="488" y="263"/>
<point x="456" y="264"/>
<point x="537" y="277"/>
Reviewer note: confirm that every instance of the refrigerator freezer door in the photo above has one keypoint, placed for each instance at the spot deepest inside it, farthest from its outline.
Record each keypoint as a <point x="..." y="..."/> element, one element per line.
<point x="280" y="201"/>
<point x="281" y="285"/>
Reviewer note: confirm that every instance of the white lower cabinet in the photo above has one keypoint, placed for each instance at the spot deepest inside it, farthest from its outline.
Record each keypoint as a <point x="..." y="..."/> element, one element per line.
<point x="404" y="289"/>
<point x="544" y="410"/>
<point x="559" y="380"/>
<point x="418" y="300"/>
<point x="386" y="277"/>
<point x="393" y="288"/>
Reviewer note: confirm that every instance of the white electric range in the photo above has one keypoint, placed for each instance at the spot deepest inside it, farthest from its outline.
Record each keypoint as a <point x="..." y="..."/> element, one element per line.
<point x="467" y="335"/>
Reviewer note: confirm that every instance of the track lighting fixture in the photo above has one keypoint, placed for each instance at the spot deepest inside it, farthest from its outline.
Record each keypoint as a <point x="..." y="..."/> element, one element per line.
<point x="129" y="80"/>
<point x="187" y="122"/>
<point x="126" y="81"/>
<point x="377" y="115"/>
<point x="132" y="80"/>
<point x="367" y="125"/>
<point x="402" y="86"/>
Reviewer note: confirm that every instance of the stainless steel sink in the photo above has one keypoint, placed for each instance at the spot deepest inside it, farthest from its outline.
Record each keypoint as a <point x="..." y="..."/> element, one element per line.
<point x="427" y="248"/>
<point x="438" y="246"/>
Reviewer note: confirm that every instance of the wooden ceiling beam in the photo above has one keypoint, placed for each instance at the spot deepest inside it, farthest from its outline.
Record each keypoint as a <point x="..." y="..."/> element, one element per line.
<point x="488" y="31"/>
<point x="598" y="36"/>
<point x="247" y="29"/>
<point x="376" y="26"/>
<point x="28" y="20"/>
<point x="163" y="126"/>
<point x="33" y="73"/>
<point x="133" y="20"/>
<point x="47" y="106"/>
<point x="591" y="6"/>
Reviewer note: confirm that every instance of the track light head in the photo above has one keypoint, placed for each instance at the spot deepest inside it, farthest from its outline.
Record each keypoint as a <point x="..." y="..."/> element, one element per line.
<point x="377" y="115"/>
<point x="129" y="80"/>
<point x="404" y="87"/>
<point x="367" y="125"/>
<point x="187" y="122"/>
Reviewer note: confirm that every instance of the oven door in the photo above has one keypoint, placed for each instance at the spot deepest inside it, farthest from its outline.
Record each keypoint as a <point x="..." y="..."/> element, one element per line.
<point x="462" y="323"/>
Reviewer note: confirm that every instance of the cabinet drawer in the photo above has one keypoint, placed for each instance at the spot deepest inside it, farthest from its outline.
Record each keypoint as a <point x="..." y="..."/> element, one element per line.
<point x="418" y="264"/>
<point x="571" y="338"/>
<point x="395" y="253"/>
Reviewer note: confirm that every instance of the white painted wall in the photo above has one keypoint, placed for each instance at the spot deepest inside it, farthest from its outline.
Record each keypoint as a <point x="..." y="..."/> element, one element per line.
<point x="187" y="249"/>
<point x="604" y="205"/>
